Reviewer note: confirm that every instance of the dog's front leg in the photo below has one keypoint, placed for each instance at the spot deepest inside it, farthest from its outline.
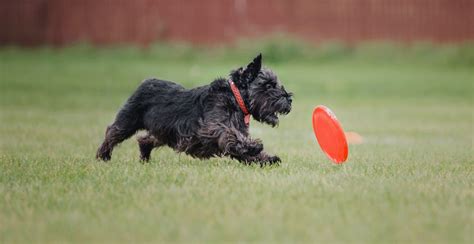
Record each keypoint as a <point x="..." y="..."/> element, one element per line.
<point x="245" y="149"/>
<point x="262" y="158"/>
<point x="231" y="141"/>
<point x="265" y="159"/>
<point x="242" y="148"/>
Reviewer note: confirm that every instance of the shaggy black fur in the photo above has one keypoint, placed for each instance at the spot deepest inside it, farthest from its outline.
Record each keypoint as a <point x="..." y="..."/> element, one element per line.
<point x="203" y="122"/>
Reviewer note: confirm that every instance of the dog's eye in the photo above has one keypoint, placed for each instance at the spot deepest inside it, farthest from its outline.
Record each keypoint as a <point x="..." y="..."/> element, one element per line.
<point x="268" y="85"/>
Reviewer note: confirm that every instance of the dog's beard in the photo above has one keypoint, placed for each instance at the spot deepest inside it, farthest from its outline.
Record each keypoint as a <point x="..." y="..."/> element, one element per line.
<point x="267" y="110"/>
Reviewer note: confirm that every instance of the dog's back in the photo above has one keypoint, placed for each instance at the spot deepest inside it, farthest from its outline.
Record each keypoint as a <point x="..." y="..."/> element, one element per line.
<point x="167" y="109"/>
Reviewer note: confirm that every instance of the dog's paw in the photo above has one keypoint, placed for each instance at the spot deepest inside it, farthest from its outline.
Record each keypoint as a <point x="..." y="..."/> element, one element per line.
<point x="274" y="160"/>
<point x="145" y="152"/>
<point x="104" y="156"/>
<point x="255" y="149"/>
<point x="145" y="158"/>
<point x="270" y="160"/>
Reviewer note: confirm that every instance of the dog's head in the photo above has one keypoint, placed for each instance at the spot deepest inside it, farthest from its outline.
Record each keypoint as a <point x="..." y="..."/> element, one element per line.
<point x="264" y="93"/>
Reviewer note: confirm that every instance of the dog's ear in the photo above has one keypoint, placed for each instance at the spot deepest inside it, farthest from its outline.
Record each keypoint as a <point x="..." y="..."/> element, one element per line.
<point x="252" y="70"/>
<point x="236" y="74"/>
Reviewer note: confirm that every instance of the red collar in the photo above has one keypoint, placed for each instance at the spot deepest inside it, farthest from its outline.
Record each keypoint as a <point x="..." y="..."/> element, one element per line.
<point x="240" y="101"/>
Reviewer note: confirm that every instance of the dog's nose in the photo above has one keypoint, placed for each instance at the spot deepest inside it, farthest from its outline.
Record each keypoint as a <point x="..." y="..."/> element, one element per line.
<point x="288" y="95"/>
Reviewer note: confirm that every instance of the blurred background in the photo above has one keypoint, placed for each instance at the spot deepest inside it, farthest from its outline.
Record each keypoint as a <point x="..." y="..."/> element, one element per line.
<point x="142" y="22"/>
<point x="399" y="74"/>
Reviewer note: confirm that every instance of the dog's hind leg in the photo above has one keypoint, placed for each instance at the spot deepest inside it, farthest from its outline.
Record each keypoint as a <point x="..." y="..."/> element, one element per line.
<point x="147" y="143"/>
<point x="124" y="126"/>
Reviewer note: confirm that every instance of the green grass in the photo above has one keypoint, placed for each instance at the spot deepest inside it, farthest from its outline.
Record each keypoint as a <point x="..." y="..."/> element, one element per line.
<point x="411" y="181"/>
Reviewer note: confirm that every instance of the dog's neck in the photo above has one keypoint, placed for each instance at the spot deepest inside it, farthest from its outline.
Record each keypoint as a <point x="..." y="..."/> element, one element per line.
<point x="240" y="102"/>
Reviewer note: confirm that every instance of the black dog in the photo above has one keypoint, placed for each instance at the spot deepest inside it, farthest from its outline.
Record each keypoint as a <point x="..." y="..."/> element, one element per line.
<point x="203" y="122"/>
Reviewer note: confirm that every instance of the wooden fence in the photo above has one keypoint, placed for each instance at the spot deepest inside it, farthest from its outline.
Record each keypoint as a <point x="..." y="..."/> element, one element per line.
<point x="62" y="22"/>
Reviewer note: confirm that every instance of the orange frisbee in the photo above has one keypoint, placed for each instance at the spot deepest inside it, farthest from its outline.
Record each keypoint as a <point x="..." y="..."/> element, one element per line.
<point x="330" y="135"/>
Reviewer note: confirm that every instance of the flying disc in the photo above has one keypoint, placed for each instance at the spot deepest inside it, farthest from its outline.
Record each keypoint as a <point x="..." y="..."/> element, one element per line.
<point x="330" y="135"/>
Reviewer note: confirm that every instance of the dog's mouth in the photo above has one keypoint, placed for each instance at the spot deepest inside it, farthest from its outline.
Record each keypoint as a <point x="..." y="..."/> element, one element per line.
<point x="268" y="110"/>
<point x="273" y="118"/>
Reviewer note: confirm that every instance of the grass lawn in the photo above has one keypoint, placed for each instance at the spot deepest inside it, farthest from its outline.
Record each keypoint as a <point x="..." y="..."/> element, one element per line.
<point x="412" y="180"/>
